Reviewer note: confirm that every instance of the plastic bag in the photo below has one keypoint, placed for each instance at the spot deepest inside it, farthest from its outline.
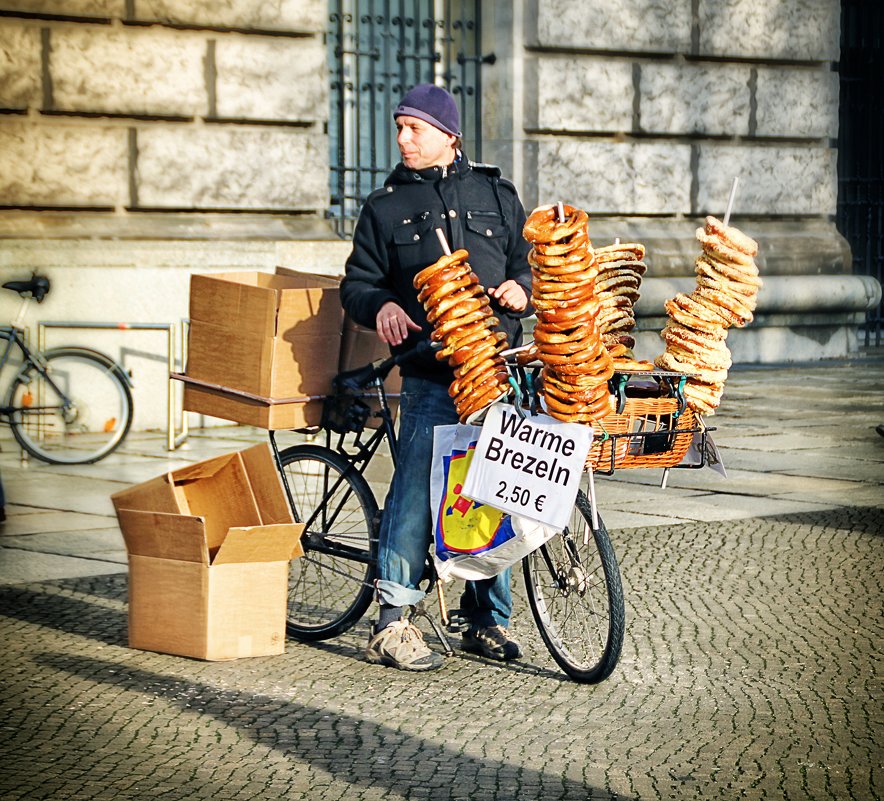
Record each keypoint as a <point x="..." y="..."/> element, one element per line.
<point x="472" y="540"/>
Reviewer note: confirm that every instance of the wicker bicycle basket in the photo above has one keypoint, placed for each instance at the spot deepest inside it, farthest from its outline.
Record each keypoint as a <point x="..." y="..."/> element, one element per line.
<point x="649" y="432"/>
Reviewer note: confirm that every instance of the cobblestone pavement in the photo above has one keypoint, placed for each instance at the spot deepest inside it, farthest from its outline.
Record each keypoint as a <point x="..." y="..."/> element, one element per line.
<point x="751" y="666"/>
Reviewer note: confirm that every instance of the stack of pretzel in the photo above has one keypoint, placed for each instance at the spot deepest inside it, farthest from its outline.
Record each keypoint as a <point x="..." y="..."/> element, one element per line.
<point x="727" y="287"/>
<point x="617" y="286"/>
<point x="459" y="309"/>
<point x="576" y="366"/>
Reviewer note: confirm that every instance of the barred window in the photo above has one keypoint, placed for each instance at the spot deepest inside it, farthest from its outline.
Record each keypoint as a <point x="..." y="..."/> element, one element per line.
<point x="377" y="50"/>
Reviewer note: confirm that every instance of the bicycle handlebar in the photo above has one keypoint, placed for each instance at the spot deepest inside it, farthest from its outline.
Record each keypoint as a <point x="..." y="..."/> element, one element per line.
<point x="361" y="377"/>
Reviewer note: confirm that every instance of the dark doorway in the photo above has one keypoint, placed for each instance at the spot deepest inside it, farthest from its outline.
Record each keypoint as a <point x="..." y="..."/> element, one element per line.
<point x="860" y="214"/>
<point x="377" y="50"/>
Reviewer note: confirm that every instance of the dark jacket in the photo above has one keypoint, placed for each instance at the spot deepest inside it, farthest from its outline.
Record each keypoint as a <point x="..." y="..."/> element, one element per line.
<point x="395" y="239"/>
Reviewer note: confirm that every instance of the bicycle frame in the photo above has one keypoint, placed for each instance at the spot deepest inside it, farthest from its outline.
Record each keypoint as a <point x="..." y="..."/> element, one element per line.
<point x="30" y="358"/>
<point x="364" y="451"/>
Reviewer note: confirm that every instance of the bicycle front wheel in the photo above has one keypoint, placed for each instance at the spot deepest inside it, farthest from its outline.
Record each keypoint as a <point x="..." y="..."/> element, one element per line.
<point x="331" y="586"/>
<point x="77" y="411"/>
<point x="576" y="597"/>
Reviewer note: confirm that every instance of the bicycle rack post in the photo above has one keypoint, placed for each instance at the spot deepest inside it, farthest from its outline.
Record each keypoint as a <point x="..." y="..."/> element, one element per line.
<point x="173" y="440"/>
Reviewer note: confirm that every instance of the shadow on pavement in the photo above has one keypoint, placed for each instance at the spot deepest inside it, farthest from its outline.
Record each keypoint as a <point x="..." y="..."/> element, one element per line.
<point x="362" y="752"/>
<point x="65" y="606"/>
<point x="855" y="519"/>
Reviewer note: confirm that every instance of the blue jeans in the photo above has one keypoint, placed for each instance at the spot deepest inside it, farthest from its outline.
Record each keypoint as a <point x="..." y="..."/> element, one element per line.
<point x="407" y="525"/>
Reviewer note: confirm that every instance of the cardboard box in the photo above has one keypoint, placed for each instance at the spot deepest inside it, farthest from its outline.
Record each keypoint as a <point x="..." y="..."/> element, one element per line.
<point x="209" y="548"/>
<point x="361" y="346"/>
<point x="271" y="335"/>
<point x="250" y="410"/>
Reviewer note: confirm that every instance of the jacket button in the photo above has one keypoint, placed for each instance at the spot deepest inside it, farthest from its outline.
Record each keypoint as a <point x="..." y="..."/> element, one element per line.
<point x="452" y="213"/>
<point x="488" y="232"/>
<point x="416" y="237"/>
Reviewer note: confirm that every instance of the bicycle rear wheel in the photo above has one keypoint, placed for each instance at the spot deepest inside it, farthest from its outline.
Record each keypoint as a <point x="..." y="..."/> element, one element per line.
<point x="331" y="586"/>
<point x="78" y="412"/>
<point x="576" y="597"/>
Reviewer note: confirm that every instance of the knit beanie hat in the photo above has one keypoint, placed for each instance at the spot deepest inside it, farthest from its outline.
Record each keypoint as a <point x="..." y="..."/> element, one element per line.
<point x="432" y="104"/>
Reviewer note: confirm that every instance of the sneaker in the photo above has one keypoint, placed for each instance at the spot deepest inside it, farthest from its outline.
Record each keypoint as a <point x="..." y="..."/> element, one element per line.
<point x="493" y="642"/>
<point x="401" y="645"/>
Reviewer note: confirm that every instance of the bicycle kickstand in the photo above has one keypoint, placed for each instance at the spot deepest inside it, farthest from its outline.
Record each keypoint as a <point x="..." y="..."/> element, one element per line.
<point x="420" y="610"/>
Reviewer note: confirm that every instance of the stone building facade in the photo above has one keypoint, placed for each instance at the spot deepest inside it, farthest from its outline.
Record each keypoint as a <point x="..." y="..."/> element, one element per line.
<point x="143" y="140"/>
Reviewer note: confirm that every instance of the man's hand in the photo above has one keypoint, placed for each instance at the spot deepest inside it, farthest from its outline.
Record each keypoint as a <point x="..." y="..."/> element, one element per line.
<point x="510" y="295"/>
<point x="393" y="324"/>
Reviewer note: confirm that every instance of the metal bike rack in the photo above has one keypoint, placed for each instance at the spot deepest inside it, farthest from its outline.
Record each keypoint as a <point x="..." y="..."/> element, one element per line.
<point x="174" y="440"/>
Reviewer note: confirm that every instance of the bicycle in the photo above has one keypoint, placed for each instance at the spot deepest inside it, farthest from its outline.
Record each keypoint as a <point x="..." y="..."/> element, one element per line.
<point x="69" y="405"/>
<point x="573" y="581"/>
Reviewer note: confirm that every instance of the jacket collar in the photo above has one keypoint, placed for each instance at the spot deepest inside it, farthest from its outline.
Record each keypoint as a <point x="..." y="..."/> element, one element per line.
<point x="402" y="175"/>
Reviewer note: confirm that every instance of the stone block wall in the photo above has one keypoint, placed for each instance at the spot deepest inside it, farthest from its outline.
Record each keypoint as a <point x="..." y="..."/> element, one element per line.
<point x="652" y="107"/>
<point x="145" y="105"/>
<point x="643" y="112"/>
<point x="142" y="141"/>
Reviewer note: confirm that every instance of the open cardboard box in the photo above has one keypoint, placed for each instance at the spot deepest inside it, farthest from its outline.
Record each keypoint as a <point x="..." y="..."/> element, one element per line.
<point x="209" y="548"/>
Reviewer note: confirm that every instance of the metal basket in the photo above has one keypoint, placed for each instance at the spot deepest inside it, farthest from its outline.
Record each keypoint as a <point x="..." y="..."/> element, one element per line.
<point x="649" y="432"/>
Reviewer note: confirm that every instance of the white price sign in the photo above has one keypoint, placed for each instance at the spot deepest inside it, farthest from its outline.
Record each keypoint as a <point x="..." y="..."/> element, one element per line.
<point x="529" y="466"/>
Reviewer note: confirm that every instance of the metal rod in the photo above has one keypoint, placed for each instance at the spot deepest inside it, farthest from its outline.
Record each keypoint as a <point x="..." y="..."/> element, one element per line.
<point x="592" y="505"/>
<point x="170" y="393"/>
<point x="443" y="241"/>
<point x="730" y="200"/>
<point x="172" y="441"/>
<point x="182" y="437"/>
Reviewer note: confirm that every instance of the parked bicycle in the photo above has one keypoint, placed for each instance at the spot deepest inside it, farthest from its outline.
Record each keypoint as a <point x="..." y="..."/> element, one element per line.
<point x="69" y="405"/>
<point x="573" y="581"/>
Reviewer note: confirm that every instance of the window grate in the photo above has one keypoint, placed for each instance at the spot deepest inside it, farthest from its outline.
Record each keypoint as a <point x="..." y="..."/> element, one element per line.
<point x="860" y="212"/>
<point x="377" y="50"/>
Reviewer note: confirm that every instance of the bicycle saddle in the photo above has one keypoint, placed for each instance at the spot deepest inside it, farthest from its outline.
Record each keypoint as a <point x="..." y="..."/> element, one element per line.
<point x="38" y="286"/>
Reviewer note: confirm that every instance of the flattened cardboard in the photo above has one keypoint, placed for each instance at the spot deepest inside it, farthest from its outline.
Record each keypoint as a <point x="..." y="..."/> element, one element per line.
<point x="258" y="412"/>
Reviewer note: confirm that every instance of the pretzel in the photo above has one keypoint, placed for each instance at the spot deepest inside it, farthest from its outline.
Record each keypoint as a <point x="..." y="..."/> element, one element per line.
<point x="732" y="237"/>
<point x="452" y="273"/>
<point x="578" y="240"/>
<point x="446" y="290"/>
<point x="543" y="224"/>
<point x="440" y="264"/>
<point x="629" y="251"/>
<point x="452" y="308"/>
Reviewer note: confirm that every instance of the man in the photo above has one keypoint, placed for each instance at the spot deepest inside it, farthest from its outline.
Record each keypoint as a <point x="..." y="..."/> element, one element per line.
<point x="434" y="186"/>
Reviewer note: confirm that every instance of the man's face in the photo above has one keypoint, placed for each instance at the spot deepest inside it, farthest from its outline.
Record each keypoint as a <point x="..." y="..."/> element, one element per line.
<point x="423" y="145"/>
